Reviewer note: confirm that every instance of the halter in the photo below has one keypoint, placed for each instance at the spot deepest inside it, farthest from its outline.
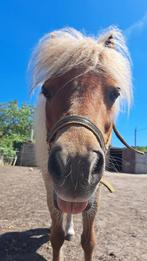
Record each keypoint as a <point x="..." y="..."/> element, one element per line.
<point x="76" y="120"/>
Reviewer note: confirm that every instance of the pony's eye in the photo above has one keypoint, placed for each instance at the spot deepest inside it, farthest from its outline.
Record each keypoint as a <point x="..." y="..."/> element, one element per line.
<point x="46" y="92"/>
<point x="114" y="92"/>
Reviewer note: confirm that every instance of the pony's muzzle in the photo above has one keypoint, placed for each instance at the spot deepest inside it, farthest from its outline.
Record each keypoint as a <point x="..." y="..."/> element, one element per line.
<point x="75" y="176"/>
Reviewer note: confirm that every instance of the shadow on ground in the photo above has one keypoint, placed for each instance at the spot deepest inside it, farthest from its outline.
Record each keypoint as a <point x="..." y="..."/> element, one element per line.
<point x="22" y="246"/>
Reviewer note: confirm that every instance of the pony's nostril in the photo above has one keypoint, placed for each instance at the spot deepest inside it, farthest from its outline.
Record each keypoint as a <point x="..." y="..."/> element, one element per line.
<point x="97" y="169"/>
<point x="98" y="164"/>
<point x="54" y="163"/>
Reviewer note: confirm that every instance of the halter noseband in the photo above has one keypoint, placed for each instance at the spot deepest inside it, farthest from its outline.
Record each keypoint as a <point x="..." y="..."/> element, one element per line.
<point x="75" y="120"/>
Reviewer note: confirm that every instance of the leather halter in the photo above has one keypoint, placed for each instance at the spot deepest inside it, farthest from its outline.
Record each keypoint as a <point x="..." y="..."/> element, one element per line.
<point x="76" y="120"/>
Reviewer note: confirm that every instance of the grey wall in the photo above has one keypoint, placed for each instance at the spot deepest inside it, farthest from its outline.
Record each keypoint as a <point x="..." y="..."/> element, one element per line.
<point x="128" y="161"/>
<point x="140" y="163"/>
<point x="27" y="155"/>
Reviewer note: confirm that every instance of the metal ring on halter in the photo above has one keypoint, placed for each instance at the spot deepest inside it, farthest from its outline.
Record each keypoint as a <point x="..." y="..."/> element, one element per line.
<point x="75" y="120"/>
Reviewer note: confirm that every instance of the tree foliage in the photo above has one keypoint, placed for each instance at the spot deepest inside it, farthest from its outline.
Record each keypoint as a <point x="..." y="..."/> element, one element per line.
<point x="15" y="126"/>
<point x="142" y="148"/>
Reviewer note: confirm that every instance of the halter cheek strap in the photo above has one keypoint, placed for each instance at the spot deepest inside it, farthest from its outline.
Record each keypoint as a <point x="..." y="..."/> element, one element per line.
<point x="108" y="139"/>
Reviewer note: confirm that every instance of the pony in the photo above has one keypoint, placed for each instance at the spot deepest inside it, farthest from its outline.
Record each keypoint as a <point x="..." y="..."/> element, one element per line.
<point x="84" y="82"/>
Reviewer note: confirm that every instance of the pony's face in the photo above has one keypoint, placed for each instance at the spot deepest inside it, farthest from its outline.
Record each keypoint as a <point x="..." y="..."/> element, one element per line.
<point x="76" y="160"/>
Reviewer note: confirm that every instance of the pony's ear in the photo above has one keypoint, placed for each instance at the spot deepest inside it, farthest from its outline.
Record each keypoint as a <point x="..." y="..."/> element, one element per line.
<point x="52" y="35"/>
<point x="107" y="39"/>
<point x="109" y="42"/>
<point x="111" y="38"/>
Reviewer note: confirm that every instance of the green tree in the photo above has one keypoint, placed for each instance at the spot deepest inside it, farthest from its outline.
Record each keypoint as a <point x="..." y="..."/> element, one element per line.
<point x="15" y="126"/>
<point x="142" y="148"/>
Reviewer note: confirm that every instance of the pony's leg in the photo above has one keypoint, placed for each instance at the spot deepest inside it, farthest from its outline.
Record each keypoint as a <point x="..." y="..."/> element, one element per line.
<point x="57" y="231"/>
<point x="57" y="237"/>
<point x="69" y="228"/>
<point x="88" y="237"/>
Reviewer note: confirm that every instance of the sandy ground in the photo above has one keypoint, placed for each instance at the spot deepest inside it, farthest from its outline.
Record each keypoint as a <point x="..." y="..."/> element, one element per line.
<point x="121" y="222"/>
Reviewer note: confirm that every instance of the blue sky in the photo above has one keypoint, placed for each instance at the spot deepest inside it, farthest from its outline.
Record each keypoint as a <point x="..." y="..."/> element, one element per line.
<point x="23" y="22"/>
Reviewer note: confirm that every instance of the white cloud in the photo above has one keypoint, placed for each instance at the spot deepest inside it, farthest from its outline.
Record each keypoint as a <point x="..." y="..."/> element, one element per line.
<point x="138" y="26"/>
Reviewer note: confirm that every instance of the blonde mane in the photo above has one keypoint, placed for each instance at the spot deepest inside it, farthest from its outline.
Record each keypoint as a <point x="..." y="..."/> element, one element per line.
<point x="60" y="51"/>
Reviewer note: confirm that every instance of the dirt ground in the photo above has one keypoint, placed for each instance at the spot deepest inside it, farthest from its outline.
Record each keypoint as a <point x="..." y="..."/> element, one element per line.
<point x="121" y="223"/>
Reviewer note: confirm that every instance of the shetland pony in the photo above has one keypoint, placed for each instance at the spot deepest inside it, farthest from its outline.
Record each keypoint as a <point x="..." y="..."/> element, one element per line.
<point x="84" y="80"/>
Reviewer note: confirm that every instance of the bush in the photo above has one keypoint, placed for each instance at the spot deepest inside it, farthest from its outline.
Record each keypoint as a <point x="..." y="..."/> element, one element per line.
<point x="15" y="127"/>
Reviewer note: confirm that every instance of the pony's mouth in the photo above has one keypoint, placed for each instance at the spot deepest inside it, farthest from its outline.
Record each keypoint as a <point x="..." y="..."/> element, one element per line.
<point x="70" y="207"/>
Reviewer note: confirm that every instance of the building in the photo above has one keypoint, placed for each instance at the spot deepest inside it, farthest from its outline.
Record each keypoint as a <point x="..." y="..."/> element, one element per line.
<point x="118" y="159"/>
<point x="128" y="161"/>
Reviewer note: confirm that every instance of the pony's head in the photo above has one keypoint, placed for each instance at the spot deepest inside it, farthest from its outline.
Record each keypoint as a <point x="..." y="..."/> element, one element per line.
<point x="83" y="82"/>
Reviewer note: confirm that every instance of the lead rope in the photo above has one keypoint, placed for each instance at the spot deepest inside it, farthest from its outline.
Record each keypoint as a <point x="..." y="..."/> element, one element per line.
<point x="124" y="142"/>
<point x="107" y="184"/>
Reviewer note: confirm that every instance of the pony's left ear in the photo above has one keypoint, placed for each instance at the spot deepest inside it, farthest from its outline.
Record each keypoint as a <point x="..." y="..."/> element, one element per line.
<point x="111" y="38"/>
<point x="107" y="39"/>
<point x="110" y="42"/>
